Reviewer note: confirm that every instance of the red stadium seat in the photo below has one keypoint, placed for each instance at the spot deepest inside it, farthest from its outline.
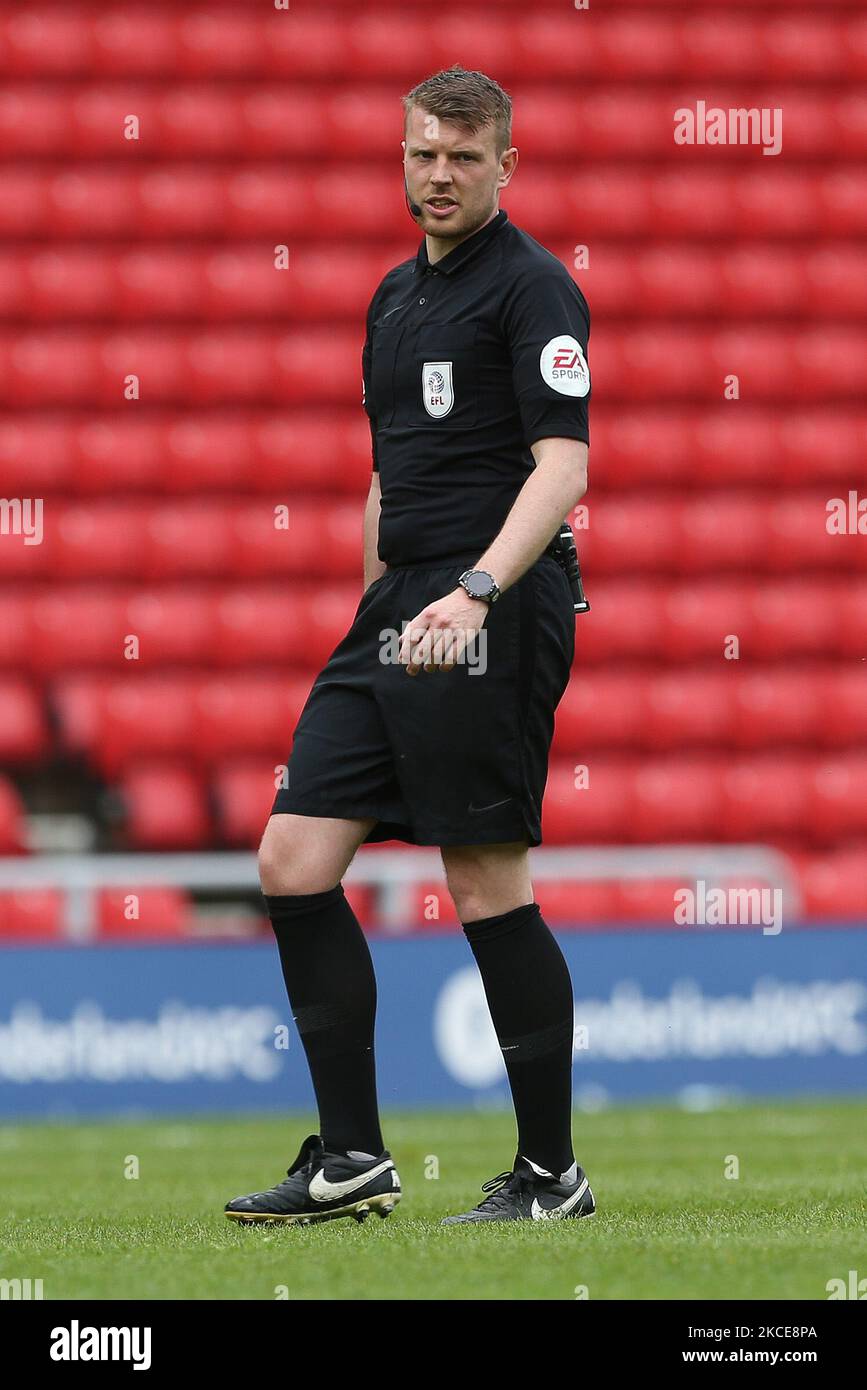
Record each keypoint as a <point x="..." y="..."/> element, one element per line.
<point x="581" y="904"/>
<point x="835" y="884"/>
<point x="599" y="709"/>
<point x="32" y="914"/>
<point x="76" y="629"/>
<point x="689" y="708"/>
<point x="112" y="722"/>
<point x="164" y="807"/>
<point x="646" y="900"/>
<point x="837" y="797"/>
<point x="243" y="795"/>
<point x="774" y="706"/>
<point x="841" y="694"/>
<point x="587" y="810"/>
<point x="700" y="619"/>
<point x="792" y="616"/>
<point x="247" y="715"/>
<point x="851" y="624"/>
<point x="676" y="800"/>
<point x="15" y="633"/>
<point x="23" y="734"/>
<point x="135" y="913"/>
<point x="627" y="620"/>
<point x="626" y="535"/>
<point x="153" y="717"/>
<point x="13" y="830"/>
<point x="104" y="542"/>
<point x="293" y="625"/>
<point x="764" y="796"/>
<point x="115" y="722"/>
<point x="171" y="626"/>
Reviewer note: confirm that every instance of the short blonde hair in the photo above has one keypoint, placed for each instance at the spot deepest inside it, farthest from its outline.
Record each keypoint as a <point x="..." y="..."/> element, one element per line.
<point x="469" y="99"/>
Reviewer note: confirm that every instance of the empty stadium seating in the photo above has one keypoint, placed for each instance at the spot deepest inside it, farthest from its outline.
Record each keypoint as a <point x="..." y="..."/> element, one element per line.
<point x="162" y="638"/>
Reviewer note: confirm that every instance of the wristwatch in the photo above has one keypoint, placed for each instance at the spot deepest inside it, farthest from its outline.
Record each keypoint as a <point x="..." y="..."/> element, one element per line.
<point x="480" y="584"/>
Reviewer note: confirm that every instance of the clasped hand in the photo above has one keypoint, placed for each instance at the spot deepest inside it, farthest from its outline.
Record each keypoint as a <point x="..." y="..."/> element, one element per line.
<point x="437" y="637"/>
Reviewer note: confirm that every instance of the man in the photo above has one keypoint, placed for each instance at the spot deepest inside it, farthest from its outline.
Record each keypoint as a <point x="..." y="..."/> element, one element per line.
<point x="476" y="385"/>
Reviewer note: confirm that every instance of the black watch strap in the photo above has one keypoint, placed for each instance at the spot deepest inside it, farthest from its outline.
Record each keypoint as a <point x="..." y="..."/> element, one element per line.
<point x="480" y="584"/>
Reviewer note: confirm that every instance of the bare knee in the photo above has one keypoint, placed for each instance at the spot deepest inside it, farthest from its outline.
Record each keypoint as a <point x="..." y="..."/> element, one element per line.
<point x="486" y="880"/>
<point x="280" y="868"/>
<point x="303" y="854"/>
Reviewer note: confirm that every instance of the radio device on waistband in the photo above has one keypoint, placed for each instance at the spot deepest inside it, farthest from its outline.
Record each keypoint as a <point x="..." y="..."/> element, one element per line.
<point x="565" y="553"/>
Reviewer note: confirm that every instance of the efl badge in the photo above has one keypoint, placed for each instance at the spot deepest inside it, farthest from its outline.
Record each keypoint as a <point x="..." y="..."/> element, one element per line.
<point x="564" y="367"/>
<point x="436" y="388"/>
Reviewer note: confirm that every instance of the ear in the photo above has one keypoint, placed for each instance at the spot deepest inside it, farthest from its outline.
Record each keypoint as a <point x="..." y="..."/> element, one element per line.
<point x="508" y="165"/>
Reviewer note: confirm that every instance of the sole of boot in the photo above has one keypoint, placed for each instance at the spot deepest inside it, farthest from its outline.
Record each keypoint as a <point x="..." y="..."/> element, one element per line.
<point x="383" y="1205"/>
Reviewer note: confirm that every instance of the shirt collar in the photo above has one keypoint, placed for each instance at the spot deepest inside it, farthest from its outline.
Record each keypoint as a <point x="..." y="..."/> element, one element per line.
<point x="464" y="250"/>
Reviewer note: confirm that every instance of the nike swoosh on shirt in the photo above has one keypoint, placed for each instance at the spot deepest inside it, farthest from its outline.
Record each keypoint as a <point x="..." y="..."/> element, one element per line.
<point x="542" y="1214"/>
<point x="393" y="311"/>
<point x="477" y="810"/>
<point x="321" y="1190"/>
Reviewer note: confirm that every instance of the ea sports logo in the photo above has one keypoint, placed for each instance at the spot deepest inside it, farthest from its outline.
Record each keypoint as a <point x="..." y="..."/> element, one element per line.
<point x="564" y="367"/>
<point x="566" y="357"/>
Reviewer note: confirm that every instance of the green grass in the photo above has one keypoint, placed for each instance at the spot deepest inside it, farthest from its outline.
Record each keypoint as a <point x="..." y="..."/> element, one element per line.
<point x="669" y="1224"/>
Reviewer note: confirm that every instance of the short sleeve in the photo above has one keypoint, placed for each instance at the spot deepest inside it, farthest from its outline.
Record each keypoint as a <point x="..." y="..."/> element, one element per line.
<point x="365" y="391"/>
<point x="547" y="327"/>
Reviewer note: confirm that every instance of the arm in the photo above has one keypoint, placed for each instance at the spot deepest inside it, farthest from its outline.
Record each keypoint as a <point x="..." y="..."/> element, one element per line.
<point x="556" y="485"/>
<point x="373" y="566"/>
<point x="546" y="323"/>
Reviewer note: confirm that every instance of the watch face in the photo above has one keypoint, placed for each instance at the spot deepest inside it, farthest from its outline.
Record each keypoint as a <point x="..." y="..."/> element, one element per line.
<point x="479" y="584"/>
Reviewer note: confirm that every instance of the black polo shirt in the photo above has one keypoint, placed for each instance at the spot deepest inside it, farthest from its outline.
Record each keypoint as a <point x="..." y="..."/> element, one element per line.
<point x="467" y="363"/>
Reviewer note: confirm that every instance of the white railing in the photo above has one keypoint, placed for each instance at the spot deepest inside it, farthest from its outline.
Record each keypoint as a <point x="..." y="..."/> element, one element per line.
<point x="392" y="872"/>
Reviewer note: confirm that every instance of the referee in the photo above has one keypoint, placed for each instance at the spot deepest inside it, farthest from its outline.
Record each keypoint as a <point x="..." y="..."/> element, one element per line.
<point x="432" y="720"/>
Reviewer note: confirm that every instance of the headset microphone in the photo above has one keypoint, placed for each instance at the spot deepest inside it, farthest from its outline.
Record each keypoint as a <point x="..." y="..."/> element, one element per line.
<point x="414" y="208"/>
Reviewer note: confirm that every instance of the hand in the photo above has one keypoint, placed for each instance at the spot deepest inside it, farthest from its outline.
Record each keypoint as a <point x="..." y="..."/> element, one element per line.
<point x="437" y="637"/>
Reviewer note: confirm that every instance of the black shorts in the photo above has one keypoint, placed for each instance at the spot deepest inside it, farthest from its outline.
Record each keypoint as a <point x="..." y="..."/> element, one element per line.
<point x="454" y="757"/>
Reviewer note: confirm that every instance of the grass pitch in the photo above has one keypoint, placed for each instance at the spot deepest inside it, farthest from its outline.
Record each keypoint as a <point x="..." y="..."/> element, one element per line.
<point x="670" y="1224"/>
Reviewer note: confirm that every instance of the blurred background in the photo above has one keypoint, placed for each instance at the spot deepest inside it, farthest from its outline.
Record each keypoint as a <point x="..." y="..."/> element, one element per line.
<point x="169" y="377"/>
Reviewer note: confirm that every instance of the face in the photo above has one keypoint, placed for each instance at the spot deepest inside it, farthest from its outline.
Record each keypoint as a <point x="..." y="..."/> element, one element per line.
<point x="455" y="177"/>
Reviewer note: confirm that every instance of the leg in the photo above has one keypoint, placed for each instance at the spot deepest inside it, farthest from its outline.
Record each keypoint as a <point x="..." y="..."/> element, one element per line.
<point x="528" y="989"/>
<point x="487" y="879"/>
<point x="327" y="969"/>
<point x="307" y="854"/>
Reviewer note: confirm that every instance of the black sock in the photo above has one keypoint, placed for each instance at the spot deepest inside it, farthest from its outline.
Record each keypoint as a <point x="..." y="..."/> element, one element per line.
<point x="529" y="994"/>
<point x="332" y="990"/>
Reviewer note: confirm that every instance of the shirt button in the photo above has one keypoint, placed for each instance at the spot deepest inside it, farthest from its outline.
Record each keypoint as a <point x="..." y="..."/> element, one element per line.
<point x="422" y="301"/>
